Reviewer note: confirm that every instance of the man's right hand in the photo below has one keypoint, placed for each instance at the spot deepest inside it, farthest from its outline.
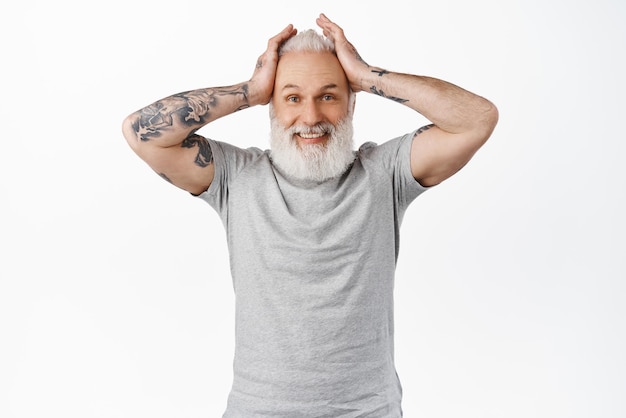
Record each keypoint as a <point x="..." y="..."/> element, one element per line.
<point x="261" y="84"/>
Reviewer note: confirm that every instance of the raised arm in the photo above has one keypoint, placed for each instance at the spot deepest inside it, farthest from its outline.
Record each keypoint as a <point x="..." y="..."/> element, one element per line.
<point x="461" y="121"/>
<point x="163" y="134"/>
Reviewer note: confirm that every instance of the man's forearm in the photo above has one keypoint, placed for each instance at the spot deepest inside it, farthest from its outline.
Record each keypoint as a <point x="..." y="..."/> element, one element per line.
<point x="450" y="107"/>
<point x="171" y="120"/>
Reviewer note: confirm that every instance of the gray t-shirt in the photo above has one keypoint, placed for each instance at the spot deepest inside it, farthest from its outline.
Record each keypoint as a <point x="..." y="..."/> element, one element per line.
<point x="313" y="273"/>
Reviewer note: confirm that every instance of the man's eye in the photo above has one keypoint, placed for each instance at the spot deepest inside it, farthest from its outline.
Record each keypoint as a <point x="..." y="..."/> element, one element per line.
<point x="293" y="99"/>
<point x="327" y="97"/>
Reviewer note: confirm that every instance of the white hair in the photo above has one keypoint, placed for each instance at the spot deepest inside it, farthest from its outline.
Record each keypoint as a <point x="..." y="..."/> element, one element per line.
<point x="307" y="41"/>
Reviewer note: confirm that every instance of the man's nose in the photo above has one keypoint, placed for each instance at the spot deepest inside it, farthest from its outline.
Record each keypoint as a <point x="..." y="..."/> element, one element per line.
<point x="311" y="113"/>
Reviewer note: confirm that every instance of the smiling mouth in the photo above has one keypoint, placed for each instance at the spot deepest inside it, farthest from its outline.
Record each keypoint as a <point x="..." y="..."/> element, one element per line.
<point x="311" y="139"/>
<point x="311" y="135"/>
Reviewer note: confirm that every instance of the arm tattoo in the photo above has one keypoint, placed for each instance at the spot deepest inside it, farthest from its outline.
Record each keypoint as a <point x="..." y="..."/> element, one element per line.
<point x="244" y="92"/>
<point x="164" y="177"/>
<point x="423" y="129"/>
<point x="192" y="108"/>
<point x="380" y="72"/>
<point x="357" y="55"/>
<point x="204" y="156"/>
<point x="381" y="93"/>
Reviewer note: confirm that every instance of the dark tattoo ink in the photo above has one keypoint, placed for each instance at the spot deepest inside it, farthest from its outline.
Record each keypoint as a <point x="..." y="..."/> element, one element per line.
<point x="164" y="177"/>
<point x="380" y="72"/>
<point x="204" y="156"/>
<point x="356" y="54"/>
<point x="381" y="93"/>
<point x="423" y="129"/>
<point x="151" y="120"/>
<point x="191" y="108"/>
<point x="244" y="90"/>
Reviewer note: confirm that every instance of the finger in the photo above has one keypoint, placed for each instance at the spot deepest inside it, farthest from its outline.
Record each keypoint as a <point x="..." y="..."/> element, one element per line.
<point x="331" y="30"/>
<point x="282" y="36"/>
<point x="322" y="21"/>
<point x="323" y="18"/>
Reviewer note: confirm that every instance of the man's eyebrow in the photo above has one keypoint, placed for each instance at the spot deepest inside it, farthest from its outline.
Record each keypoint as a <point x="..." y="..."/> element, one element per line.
<point x="330" y="86"/>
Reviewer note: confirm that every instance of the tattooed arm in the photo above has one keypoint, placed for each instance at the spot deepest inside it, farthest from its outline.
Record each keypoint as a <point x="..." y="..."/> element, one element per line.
<point x="461" y="121"/>
<point x="164" y="134"/>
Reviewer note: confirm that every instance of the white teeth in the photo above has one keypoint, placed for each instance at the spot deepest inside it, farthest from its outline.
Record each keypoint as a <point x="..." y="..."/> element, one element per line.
<point x="311" y="136"/>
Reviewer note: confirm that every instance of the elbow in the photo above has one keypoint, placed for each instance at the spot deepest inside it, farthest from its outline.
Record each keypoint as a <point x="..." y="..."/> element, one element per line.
<point x="492" y="116"/>
<point x="489" y="120"/>
<point x="130" y="133"/>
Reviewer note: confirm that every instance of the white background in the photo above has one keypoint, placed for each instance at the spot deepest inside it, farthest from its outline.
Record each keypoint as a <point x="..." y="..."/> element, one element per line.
<point x="115" y="294"/>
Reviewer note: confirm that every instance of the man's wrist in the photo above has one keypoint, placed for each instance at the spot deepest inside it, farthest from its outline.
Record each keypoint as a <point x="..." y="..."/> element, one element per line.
<point x="254" y="96"/>
<point x="371" y="77"/>
<point x="379" y="83"/>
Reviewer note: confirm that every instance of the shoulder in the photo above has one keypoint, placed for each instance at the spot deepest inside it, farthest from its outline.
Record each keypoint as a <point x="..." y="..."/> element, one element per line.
<point x="230" y="150"/>
<point x="388" y="150"/>
<point x="232" y="158"/>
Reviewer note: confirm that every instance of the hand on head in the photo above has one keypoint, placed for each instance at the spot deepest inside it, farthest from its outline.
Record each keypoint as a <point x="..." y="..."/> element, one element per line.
<point x="352" y="63"/>
<point x="262" y="82"/>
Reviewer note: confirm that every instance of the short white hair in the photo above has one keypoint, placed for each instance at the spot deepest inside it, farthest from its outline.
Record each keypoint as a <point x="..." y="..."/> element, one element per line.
<point x="307" y="41"/>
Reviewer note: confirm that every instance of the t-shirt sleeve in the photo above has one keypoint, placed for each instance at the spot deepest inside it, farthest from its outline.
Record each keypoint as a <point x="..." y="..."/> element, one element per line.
<point x="409" y="188"/>
<point x="395" y="157"/>
<point x="229" y="160"/>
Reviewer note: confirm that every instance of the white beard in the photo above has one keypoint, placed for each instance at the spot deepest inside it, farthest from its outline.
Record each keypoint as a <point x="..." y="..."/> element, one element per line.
<point x="317" y="162"/>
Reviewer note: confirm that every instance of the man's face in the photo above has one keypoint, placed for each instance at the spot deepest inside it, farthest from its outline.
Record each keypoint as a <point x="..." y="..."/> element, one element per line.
<point x="310" y="90"/>
<point x="311" y="118"/>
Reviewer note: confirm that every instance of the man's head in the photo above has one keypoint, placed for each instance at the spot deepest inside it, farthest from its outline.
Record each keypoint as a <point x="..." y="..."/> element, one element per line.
<point x="311" y="110"/>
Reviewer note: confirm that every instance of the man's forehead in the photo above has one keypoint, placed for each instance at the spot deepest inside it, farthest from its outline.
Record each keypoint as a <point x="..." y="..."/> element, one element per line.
<point x="310" y="70"/>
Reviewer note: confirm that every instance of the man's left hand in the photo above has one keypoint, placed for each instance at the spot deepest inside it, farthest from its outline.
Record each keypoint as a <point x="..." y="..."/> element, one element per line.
<point x="353" y="65"/>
